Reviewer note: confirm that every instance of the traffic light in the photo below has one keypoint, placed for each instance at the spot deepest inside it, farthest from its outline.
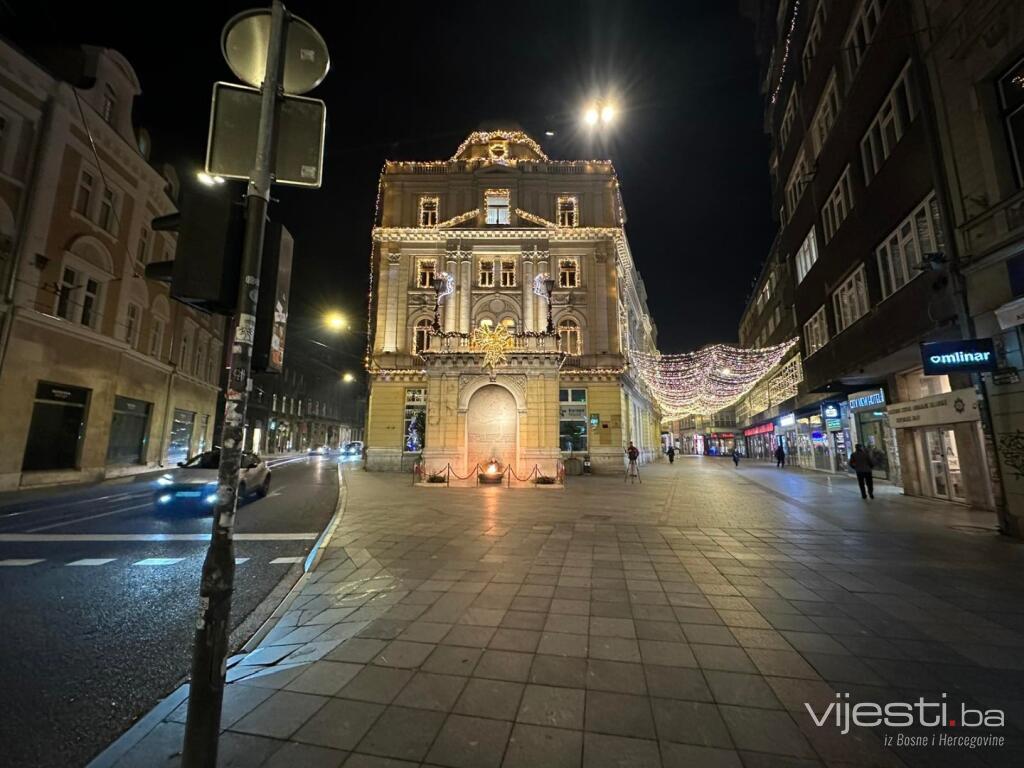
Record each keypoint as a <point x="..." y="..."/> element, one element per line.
<point x="207" y="259"/>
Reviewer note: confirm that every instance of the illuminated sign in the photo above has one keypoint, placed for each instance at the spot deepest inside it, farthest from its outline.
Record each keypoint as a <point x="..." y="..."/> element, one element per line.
<point x="831" y="411"/>
<point x="940" y="357"/>
<point x="787" y="421"/>
<point x="761" y="429"/>
<point x="866" y="399"/>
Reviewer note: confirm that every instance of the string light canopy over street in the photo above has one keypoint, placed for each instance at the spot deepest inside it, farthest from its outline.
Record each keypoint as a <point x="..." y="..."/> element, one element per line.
<point x="705" y="381"/>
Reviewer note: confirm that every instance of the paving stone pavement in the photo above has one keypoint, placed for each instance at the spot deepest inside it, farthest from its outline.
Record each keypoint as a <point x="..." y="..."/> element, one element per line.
<point x="685" y="621"/>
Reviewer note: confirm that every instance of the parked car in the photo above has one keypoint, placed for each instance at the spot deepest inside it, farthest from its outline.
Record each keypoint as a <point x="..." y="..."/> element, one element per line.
<point x="194" y="482"/>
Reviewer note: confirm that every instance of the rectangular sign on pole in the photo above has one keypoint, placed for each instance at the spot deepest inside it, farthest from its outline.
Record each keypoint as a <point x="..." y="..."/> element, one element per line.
<point x="964" y="356"/>
<point x="299" y="138"/>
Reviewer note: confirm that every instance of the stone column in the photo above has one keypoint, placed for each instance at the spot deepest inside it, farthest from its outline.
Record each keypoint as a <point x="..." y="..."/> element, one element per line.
<point x="540" y="313"/>
<point x="527" y="319"/>
<point x="449" y="309"/>
<point x="465" y="289"/>
<point x="599" y="308"/>
<point x="390" y="303"/>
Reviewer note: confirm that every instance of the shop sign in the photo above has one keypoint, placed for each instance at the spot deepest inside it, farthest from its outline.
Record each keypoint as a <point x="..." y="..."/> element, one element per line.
<point x="761" y="429"/>
<point x="788" y="420"/>
<point x="940" y="357"/>
<point x="947" y="408"/>
<point x="830" y="410"/>
<point x="595" y="419"/>
<point x="869" y="399"/>
<point x="61" y="393"/>
<point x="833" y="425"/>
<point x="722" y="435"/>
<point x="573" y="412"/>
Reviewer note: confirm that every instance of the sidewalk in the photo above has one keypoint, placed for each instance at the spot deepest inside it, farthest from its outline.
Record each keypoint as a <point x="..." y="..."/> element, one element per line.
<point x="681" y="622"/>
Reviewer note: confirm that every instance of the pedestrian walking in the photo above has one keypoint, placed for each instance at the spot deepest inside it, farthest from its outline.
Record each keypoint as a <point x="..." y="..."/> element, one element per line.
<point x="780" y="456"/>
<point x="632" y="471"/>
<point x="862" y="464"/>
<point x="671" y="454"/>
<point x="736" y="456"/>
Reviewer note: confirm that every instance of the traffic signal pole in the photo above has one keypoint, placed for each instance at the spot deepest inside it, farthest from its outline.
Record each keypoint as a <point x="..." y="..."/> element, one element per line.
<point x="209" y="654"/>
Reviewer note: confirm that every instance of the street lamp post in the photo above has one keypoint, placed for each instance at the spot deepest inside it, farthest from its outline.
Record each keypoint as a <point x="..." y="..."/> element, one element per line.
<point x="549" y="286"/>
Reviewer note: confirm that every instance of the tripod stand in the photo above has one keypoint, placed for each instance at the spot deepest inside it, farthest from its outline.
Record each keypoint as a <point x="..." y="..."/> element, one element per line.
<point x="632" y="473"/>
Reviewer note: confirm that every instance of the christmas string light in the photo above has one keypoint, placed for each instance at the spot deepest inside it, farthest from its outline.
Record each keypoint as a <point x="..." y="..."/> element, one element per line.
<point x="486" y="137"/>
<point x="785" y="50"/>
<point x="538" y="285"/>
<point x="448" y="285"/>
<point x="705" y="381"/>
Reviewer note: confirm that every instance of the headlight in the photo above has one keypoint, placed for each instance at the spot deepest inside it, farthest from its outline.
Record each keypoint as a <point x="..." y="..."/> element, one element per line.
<point x="164" y="480"/>
<point x="211" y="499"/>
<point x="165" y="498"/>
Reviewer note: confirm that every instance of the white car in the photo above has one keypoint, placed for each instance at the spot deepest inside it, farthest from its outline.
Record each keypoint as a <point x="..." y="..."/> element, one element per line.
<point x="355" y="448"/>
<point x="194" y="482"/>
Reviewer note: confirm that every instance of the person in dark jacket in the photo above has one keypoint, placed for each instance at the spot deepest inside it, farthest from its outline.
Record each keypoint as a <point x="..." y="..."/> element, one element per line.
<point x="780" y="456"/>
<point x="861" y="463"/>
<point x="736" y="456"/>
<point x="671" y="455"/>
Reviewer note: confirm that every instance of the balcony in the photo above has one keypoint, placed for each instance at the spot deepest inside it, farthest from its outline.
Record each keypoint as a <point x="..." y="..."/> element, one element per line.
<point x="999" y="225"/>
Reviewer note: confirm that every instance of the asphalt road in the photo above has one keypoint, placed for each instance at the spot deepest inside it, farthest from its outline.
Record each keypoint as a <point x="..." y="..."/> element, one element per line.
<point x="99" y="593"/>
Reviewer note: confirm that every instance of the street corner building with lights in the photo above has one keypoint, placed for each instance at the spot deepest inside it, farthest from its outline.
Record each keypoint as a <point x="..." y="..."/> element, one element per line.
<point x="102" y="373"/>
<point x="489" y="237"/>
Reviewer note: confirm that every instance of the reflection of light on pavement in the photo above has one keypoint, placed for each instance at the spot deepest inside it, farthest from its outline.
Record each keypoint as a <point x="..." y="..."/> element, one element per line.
<point x="491" y="505"/>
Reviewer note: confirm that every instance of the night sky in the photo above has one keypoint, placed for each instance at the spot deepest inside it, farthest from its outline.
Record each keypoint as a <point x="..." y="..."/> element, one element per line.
<point x="411" y="80"/>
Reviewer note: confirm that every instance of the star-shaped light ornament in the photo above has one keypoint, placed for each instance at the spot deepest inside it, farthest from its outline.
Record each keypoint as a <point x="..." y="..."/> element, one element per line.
<point x="494" y="342"/>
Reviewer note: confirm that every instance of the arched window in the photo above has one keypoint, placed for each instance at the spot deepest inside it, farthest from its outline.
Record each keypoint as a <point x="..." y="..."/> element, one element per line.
<point x="487" y="323"/>
<point x="569" y="339"/>
<point x="423" y="329"/>
<point x="510" y="324"/>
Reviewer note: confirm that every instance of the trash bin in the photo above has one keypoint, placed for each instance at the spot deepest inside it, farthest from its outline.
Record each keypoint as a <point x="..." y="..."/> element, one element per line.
<point x="573" y="467"/>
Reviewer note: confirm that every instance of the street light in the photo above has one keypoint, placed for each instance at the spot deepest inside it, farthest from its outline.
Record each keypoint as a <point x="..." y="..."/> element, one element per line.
<point x="208" y="180"/>
<point x="348" y="377"/>
<point x="591" y="116"/>
<point x="600" y="112"/>
<point x="335" y="321"/>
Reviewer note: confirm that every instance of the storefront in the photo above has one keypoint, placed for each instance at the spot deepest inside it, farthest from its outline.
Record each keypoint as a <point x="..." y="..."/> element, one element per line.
<point x="129" y="429"/>
<point x="760" y="441"/>
<point x="719" y="443"/>
<point x="835" y="436"/>
<point x="57" y="427"/>
<point x="786" y="436"/>
<point x="869" y="425"/>
<point x="941" y="430"/>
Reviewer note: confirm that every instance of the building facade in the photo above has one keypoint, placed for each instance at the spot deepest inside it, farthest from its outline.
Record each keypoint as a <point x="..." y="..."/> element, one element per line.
<point x="510" y="239"/>
<point x="101" y="373"/>
<point x="859" y="196"/>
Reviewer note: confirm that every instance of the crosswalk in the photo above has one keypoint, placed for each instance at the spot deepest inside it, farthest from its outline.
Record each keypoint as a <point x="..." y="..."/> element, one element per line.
<point x="151" y="562"/>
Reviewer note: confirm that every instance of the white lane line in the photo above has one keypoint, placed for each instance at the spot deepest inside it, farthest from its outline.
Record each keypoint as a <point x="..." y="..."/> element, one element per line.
<point x="159" y="561"/>
<point x="240" y="560"/>
<point x="15" y="562"/>
<point x="289" y="560"/>
<point x="59" y="537"/>
<point x="94" y="561"/>
<point x="59" y="503"/>
<point x="89" y="517"/>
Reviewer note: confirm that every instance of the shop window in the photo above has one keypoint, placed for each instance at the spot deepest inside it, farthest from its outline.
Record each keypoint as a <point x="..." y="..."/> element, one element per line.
<point x="568" y="211"/>
<point x="57" y="428"/>
<point x="487" y="273"/>
<point x="415" y="421"/>
<point x="569" y="338"/>
<point x="1011" y="109"/>
<point x="573" y="420"/>
<point x="429" y="206"/>
<point x="129" y="431"/>
<point x="179" y="445"/>
<point x="508" y="274"/>
<point x="568" y="273"/>
<point x="425" y="271"/>
<point x="497" y="203"/>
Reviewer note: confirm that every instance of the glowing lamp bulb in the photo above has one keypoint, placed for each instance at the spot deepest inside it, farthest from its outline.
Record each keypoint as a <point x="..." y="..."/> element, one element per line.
<point x="591" y="116"/>
<point x="607" y="114"/>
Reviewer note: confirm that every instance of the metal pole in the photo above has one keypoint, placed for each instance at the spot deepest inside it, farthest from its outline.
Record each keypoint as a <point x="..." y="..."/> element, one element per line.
<point x="209" y="653"/>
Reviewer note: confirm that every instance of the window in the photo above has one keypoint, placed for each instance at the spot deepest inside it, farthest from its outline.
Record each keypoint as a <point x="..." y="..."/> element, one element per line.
<point x="415" y="421"/>
<point x="273" y="402"/>
<point x="428" y="211"/>
<point x="109" y="105"/>
<point x="508" y="274"/>
<point x="850" y="302"/>
<point x="200" y="358"/>
<point x="892" y="121"/>
<point x="107" y="217"/>
<point x="569" y="340"/>
<point x="816" y="332"/>
<point x="572" y="419"/>
<point x="509" y="325"/>
<point x="132" y="317"/>
<point x="568" y="274"/>
<point x="568" y="206"/>
<point x="156" y="337"/>
<point x="807" y="255"/>
<point x="862" y="31"/>
<point x="425" y="271"/>
<point x="1011" y="108"/>
<point x="788" y="118"/>
<point x="90" y="303"/>
<point x="83" y="196"/>
<point x="143" y="248"/>
<point x="497" y="201"/>
<point x="64" y="294"/>
<point x="183" y="351"/>
<point x="798" y="180"/>
<point x="814" y="35"/>
<point x="901" y="254"/>
<point x="421" y="336"/>
<point x="838" y="205"/>
<point x="487" y="273"/>
<point x="826" y="115"/>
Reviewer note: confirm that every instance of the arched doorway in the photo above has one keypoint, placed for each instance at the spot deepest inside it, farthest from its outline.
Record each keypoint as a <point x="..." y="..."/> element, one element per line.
<point x="492" y="426"/>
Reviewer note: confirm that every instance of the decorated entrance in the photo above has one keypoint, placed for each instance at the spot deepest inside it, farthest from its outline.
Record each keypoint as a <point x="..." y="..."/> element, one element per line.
<point x="492" y="427"/>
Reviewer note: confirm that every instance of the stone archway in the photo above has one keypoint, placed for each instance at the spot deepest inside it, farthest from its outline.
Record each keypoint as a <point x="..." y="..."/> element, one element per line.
<point x="492" y="426"/>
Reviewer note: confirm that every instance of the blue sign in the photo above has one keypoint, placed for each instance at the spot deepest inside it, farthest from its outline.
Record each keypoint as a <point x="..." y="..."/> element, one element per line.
<point x="867" y="399"/>
<point x="967" y="355"/>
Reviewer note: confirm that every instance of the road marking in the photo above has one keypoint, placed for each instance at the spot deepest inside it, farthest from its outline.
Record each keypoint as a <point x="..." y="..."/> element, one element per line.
<point x="94" y="561"/>
<point x="58" y="503"/>
<point x="289" y="560"/>
<point x="240" y="560"/>
<point x="59" y="537"/>
<point x="19" y="562"/>
<point x="88" y="517"/>
<point x="159" y="561"/>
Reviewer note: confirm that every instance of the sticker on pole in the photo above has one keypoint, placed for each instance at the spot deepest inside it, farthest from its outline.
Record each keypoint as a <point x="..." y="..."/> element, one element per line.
<point x="245" y="331"/>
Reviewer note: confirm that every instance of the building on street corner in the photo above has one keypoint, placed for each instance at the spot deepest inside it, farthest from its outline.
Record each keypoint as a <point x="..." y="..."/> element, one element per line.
<point x="101" y="373"/>
<point x="500" y="230"/>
